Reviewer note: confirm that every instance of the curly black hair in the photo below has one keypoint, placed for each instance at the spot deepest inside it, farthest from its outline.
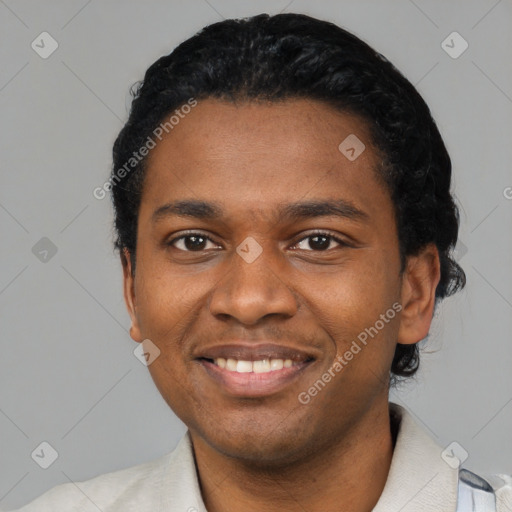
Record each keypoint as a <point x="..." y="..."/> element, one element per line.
<point x="286" y="56"/>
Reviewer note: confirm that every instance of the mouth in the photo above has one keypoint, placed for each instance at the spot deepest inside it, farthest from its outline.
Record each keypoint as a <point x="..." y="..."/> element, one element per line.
<point x="254" y="371"/>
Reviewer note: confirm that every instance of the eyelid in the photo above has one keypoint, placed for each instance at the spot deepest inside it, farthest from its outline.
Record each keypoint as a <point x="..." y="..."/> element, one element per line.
<point x="185" y="234"/>
<point x="339" y="240"/>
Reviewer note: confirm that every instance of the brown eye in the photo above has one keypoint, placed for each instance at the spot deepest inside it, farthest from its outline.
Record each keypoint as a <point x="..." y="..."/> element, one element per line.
<point x="320" y="242"/>
<point x="193" y="242"/>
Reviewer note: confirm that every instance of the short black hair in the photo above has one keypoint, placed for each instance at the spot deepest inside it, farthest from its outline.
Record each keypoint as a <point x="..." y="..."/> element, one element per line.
<point x="292" y="56"/>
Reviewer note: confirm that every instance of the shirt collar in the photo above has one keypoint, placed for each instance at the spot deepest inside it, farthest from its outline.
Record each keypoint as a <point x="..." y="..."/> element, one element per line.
<point x="419" y="480"/>
<point x="180" y="486"/>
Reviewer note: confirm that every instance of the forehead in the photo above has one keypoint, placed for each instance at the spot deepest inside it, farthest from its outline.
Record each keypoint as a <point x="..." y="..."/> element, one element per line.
<point x="253" y="154"/>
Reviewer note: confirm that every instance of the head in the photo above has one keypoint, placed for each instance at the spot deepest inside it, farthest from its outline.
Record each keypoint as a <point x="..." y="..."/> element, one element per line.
<point x="239" y="122"/>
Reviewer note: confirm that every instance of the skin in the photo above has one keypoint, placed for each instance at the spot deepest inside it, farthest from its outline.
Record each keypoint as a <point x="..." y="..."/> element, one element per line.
<point x="272" y="452"/>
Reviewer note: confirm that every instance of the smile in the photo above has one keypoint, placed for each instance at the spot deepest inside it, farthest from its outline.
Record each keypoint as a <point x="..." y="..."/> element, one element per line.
<point x="244" y="382"/>
<point x="248" y="370"/>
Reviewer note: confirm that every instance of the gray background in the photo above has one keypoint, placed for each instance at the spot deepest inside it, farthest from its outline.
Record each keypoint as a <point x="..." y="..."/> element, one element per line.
<point x="68" y="375"/>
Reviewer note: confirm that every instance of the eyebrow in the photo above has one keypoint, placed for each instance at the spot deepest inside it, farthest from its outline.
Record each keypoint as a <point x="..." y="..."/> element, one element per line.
<point x="204" y="210"/>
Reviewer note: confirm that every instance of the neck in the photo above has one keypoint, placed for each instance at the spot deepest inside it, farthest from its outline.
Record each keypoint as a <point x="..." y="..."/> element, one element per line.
<point x="349" y="474"/>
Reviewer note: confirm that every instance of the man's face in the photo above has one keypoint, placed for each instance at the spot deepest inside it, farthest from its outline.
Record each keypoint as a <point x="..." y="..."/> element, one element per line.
<point x="305" y="298"/>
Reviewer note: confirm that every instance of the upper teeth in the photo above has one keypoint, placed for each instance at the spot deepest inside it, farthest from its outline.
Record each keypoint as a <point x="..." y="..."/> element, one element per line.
<point x="263" y="366"/>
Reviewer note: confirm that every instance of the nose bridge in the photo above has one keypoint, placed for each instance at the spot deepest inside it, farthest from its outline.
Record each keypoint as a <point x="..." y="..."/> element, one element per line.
<point x="254" y="285"/>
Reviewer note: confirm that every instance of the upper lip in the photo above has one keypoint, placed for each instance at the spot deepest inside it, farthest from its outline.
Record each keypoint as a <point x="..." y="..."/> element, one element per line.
<point x="254" y="352"/>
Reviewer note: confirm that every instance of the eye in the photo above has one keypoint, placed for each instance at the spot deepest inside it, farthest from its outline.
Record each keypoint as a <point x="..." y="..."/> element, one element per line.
<point x="191" y="242"/>
<point x="320" y="241"/>
<point x="196" y="242"/>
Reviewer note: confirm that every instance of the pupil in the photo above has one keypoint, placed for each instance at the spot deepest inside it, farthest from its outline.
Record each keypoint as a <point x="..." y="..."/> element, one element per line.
<point x="319" y="246"/>
<point x="198" y="242"/>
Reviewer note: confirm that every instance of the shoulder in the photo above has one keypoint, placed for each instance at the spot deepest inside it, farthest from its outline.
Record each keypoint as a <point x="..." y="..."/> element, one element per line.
<point x="104" y="492"/>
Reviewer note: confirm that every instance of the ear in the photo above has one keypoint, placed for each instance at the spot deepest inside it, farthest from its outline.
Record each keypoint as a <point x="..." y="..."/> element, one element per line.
<point x="419" y="283"/>
<point x="129" y="295"/>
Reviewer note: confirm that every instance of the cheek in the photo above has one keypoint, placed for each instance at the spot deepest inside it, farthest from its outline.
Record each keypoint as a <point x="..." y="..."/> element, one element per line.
<point x="349" y="304"/>
<point x="166" y="299"/>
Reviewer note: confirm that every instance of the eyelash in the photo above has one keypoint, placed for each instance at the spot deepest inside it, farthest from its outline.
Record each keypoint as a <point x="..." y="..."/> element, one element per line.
<point x="310" y="235"/>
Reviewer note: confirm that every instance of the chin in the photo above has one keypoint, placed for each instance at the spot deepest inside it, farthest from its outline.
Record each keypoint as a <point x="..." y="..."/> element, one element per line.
<point x="260" y="445"/>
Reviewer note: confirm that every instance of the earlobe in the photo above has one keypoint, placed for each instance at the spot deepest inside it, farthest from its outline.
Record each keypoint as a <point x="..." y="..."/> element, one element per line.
<point x="129" y="295"/>
<point x="419" y="284"/>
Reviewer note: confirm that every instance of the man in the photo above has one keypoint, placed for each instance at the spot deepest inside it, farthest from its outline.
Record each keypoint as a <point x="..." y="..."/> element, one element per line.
<point x="285" y="225"/>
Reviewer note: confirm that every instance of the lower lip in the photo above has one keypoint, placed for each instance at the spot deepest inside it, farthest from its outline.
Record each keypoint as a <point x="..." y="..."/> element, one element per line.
<point x="252" y="384"/>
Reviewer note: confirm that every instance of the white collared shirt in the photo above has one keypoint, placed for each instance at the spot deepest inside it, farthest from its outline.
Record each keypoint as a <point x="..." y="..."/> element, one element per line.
<point x="419" y="480"/>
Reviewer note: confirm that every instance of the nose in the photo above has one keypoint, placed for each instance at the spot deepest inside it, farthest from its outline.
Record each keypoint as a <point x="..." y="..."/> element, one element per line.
<point x="252" y="290"/>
